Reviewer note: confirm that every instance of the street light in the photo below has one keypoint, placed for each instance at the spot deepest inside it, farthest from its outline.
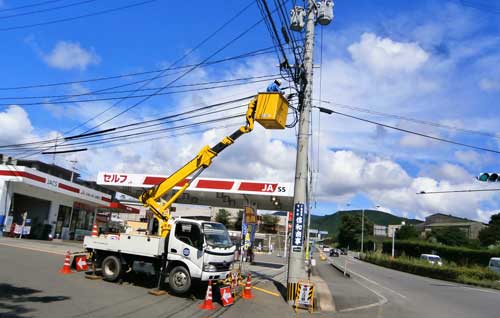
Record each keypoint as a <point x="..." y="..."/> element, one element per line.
<point x="393" y="237"/>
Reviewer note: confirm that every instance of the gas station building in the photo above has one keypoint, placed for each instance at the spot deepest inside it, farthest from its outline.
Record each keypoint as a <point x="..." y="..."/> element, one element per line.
<point x="56" y="204"/>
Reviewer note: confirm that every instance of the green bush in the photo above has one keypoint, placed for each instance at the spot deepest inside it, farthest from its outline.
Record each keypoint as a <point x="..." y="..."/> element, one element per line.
<point x="459" y="255"/>
<point x="475" y="275"/>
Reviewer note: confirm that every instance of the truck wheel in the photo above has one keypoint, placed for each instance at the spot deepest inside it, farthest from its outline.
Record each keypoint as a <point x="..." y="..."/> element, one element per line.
<point x="111" y="268"/>
<point x="179" y="280"/>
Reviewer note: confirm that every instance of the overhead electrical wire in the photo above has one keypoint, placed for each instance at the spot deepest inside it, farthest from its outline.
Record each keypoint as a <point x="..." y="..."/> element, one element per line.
<point x="111" y="10"/>
<point x="161" y="136"/>
<point x="46" y="10"/>
<point x="174" y="63"/>
<point x="30" y="5"/>
<point x="268" y="17"/>
<point x="244" y="55"/>
<point x="457" y="191"/>
<point x="414" y="120"/>
<point x="102" y="132"/>
<point x="265" y="79"/>
<point x="182" y="75"/>
<point x="417" y="133"/>
<point x="67" y="147"/>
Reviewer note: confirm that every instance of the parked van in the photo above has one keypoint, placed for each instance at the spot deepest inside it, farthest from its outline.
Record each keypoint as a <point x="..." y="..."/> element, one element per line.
<point x="494" y="264"/>
<point x="433" y="259"/>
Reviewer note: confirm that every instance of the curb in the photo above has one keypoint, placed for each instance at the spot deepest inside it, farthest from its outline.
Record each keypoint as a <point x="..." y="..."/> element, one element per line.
<point x="340" y="269"/>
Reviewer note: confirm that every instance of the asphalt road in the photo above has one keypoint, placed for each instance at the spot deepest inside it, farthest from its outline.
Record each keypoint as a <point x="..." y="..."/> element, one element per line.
<point x="30" y="286"/>
<point x="374" y="291"/>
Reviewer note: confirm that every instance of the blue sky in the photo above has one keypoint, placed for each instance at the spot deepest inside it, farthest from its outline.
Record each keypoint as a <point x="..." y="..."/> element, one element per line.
<point x="432" y="61"/>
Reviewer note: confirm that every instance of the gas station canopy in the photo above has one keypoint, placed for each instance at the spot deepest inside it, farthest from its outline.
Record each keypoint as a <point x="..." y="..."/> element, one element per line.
<point x="231" y="193"/>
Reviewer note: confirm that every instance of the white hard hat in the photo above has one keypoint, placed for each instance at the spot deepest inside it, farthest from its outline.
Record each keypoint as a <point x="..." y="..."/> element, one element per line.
<point x="278" y="82"/>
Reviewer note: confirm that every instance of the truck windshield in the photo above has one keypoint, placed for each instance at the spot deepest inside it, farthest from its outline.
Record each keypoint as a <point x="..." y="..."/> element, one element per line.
<point x="216" y="235"/>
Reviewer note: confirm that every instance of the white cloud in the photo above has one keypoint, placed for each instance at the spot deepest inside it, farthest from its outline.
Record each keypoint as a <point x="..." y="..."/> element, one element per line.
<point x="414" y="141"/>
<point x="70" y="55"/>
<point x="383" y="55"/>
<point x="15" y="125"/>
<point x="345" y="172"/>
<point x="468" y="157"/>
<point x="489" y="85"/>
<point x="449" y="172"/>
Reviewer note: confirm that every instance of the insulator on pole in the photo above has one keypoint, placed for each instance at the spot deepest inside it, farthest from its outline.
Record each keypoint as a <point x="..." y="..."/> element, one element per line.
<point x="297" y="19"/>
<point x="325" y="12"/>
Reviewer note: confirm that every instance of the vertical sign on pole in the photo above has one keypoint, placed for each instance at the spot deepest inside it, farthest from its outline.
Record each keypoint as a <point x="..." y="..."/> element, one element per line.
<point x="298" y="228"/>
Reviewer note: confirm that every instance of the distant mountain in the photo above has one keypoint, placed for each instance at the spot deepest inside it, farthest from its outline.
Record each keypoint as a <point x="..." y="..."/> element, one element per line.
<point x="331" y="222"/>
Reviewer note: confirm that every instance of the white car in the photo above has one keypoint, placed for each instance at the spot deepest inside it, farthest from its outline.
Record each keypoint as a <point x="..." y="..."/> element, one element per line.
<point x="432" y="259"/>
<point x="494" y="264"/>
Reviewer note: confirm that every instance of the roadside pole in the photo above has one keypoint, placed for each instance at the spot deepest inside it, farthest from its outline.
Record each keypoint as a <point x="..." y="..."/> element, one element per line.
<point x="296" y="265"/>
<point x="362" y="228"/>
<point x="286" y="235"/>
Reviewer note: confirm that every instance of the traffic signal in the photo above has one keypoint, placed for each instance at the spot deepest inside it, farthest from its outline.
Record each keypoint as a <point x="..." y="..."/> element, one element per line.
<point x="488" y="177"/>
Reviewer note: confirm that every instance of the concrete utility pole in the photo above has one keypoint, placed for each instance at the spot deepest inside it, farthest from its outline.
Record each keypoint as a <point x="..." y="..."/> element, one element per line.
<point x="362" y="229"/>
<point x="296" y="261"/>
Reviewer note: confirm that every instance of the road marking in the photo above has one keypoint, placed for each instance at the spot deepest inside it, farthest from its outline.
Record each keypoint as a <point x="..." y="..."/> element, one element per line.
<point x="381" y="302"/>
<point x="375" y="283"/>
<point x="480" y="290"/>
<point x="33" y="249"/>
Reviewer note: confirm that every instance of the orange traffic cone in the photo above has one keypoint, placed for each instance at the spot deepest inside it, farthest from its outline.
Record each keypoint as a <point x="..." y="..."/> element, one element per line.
<point x="207" y="303"/>
<point x="247" y="291"/>
<point x="94" y="231"/>
<point x="66" y="269"/>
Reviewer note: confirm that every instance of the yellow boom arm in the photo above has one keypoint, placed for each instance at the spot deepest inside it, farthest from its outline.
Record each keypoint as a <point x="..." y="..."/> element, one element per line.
<point x="265" y="107"/>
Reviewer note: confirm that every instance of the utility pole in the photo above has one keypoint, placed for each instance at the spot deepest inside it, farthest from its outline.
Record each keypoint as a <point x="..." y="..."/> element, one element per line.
<point x="362" y="229"/>
<point x="321" y="12"/>
<point x="296" y="260"/>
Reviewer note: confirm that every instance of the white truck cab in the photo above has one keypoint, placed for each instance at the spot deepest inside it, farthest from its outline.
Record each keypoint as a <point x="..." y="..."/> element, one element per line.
<point x="193" y="249"/>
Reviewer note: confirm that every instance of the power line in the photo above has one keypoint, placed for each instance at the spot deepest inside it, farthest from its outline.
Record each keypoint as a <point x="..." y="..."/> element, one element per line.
<point x="47" y="9"/>
<point x="160" y="136"/>
<point x="244" y="55"/>
<point x="161" y="73"/>
<point x="26" y="26"/>
<point x="184" y="74"/>
<point x="102" y="132"/>
<point x="30" y="5"/>
<point x="457" y="191"/>
<point x="135" y="96"/>
<point x="484" y="7"/>
<point x="140" y="134"/>
<point x="417" y="133"/>
<point x="63" y="151"/>
<point x="247" y="79"/>
<point x="414" y="120"/>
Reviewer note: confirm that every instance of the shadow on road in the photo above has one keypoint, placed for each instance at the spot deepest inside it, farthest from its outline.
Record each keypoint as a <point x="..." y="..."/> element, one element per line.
<point x="13" y="300"/>
<point x="268" y="265"/>
<point x="197" y="291"/>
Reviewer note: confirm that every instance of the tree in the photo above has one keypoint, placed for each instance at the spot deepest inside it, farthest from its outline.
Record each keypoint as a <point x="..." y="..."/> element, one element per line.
<point x="350" y="230"/>
<point x="407" y="232"/>
<point x="269" y="223"/>
<point x="491" y="234"/>
<point x="451" y="236"/>
<point x="222" y="216"/>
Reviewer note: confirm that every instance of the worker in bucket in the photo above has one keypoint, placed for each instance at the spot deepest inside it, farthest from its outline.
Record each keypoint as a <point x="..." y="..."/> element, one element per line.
<point x="275" y="87"/>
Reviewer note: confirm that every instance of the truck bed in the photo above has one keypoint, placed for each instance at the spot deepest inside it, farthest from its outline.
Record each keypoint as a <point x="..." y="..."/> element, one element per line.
<point x="136" y="244"/>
